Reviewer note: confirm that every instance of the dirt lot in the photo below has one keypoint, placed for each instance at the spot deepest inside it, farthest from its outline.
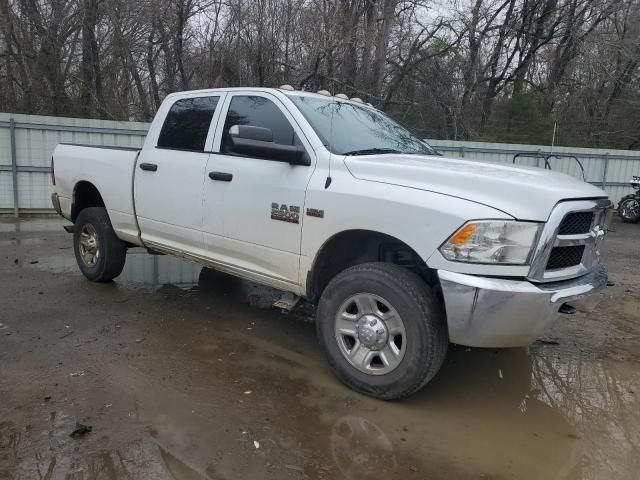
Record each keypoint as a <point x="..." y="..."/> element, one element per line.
<point x="188" y="374"/>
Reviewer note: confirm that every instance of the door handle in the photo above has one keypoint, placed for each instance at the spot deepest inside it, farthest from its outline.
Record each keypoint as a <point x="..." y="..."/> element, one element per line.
<point x="150" y="167"/>
<point x="221" y="176"/>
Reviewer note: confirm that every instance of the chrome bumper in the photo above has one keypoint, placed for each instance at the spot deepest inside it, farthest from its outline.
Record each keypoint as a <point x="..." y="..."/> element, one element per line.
<point x="491" y="312"/>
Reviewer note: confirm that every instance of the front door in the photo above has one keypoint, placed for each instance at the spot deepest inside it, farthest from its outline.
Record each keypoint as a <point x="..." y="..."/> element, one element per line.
<point x="262" y="200"/>
<point x="169" y="176"/>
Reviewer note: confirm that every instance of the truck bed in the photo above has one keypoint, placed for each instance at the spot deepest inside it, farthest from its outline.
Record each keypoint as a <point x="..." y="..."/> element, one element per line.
<point x="110" y="170"/>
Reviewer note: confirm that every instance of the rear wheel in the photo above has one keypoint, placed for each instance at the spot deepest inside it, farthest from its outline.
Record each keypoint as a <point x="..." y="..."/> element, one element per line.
<point x="382" y="329"/>
<point x="629" y="209"/>
<point x="99" y="252"/>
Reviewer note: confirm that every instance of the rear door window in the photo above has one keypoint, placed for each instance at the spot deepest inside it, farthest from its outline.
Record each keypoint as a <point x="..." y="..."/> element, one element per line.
<point x="187" y="124"/>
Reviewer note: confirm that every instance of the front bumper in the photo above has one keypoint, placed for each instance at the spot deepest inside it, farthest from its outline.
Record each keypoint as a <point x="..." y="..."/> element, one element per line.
<point x="492" y="312"/>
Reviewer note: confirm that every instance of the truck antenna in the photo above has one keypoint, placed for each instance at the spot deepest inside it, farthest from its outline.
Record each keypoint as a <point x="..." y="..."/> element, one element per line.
<point x="328" y="180"/>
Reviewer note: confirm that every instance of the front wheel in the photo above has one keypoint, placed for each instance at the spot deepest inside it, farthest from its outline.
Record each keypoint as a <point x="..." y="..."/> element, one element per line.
<point x="383" y="330"/>
<point x="629" y="209"/>
<point x="99" y="252"/>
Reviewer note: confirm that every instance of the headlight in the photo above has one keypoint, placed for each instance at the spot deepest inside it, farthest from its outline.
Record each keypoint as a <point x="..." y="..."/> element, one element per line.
<point x="492" y="241"/>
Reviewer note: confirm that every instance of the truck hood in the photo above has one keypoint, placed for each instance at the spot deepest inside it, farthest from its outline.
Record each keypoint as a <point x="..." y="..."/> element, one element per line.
<point x="525" y="193"/>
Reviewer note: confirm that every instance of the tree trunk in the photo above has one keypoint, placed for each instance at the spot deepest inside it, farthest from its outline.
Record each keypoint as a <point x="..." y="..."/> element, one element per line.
<point x="181" y="22"/>
<point x="91" y="96"/>
<point x="367" y="52"/>
<point x="151" y="66"/>
<point x="382" y="44"/>
<point x="470" y="70"/>
<point x="350" y="38"/>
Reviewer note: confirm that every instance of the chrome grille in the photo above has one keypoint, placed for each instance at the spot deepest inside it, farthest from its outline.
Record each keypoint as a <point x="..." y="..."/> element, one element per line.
<point x="576" y="223"/>
<point x="569" y="242"/>
<point x="564" y="257"/>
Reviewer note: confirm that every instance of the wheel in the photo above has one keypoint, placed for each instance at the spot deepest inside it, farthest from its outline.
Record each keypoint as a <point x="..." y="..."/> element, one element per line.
<point x="629" y="209"/>
<point x="99" y="253"/>
<point x="382" y="329"/>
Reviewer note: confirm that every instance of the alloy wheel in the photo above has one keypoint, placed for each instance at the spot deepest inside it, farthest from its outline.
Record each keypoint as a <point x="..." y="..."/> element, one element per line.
<point x="370" y="334"/>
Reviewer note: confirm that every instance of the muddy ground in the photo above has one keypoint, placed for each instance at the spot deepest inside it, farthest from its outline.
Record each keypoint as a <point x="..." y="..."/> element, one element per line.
<point x="188" y="374"/>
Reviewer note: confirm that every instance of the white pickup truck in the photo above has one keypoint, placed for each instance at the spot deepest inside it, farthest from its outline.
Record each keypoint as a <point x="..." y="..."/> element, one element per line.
<point x="328" y="198"/>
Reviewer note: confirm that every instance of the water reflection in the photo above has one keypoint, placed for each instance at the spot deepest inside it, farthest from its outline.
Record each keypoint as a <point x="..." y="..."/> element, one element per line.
<point x="489" y="414"/>
<point x="153" y="271"/>
<point x="469" y="423"/>
<point x="360" y="449"/>
<point x="32" y="224"/>
<point x="141" y="269"/>
<point x="22" y="241"/>
<point x="599" y="398"/>
<point x="542" y="413"/>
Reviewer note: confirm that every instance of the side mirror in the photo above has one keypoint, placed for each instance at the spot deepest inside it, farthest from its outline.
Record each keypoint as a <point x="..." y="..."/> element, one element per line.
<point x="258" y="142"/>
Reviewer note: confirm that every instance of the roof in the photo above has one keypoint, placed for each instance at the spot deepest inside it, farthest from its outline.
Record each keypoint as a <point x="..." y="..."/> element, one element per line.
<point x="267" y="89"/>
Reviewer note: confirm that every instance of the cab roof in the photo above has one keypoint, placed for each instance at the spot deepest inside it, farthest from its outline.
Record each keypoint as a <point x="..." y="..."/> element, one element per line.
<point x="297" y="93"/>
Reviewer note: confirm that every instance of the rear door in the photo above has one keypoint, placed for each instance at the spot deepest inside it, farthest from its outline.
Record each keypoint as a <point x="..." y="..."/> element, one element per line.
<point x="262" y="199"/>
<point x="169" y="175"/>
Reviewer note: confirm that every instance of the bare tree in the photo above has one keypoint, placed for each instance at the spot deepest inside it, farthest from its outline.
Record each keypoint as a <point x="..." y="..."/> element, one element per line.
<point x="474" y="69"/>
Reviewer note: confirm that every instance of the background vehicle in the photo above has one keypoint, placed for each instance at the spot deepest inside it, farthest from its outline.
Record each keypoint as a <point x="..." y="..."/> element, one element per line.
<point x="629" y="206"/>
<point x="404" y="251"/>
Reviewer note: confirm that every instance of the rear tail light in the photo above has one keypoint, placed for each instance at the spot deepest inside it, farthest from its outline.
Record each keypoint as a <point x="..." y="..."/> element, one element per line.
<point x="53" y="173"/>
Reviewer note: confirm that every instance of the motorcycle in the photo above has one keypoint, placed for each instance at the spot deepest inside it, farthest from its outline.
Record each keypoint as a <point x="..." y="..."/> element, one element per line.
<point x="629" y="206"/>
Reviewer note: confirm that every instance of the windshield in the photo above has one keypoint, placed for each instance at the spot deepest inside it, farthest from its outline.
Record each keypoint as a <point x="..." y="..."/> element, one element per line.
<point x="348" y="129"/>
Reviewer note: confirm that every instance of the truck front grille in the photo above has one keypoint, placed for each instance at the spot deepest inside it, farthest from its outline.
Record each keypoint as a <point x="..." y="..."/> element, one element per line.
<point x="565" y="257"/>
<point x="576" y="223"/>
<point x="569" y="242"/>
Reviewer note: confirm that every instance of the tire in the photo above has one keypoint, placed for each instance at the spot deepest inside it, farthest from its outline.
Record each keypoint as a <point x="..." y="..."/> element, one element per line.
<point x="629" y="215"/>
<point x="109" y="252"/>
<point x="423" y="338"/>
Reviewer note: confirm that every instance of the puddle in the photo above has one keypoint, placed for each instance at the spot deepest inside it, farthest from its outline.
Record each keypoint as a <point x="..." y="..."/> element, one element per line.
<point x="140" y="270"/>
<point x="32" y="224"/>
<point x="155" y="272"/>
<point x="23" y="241"/>
<point x="222" y="386"/>
<point x="600" y="400"/>
<point x="543" y="419"/>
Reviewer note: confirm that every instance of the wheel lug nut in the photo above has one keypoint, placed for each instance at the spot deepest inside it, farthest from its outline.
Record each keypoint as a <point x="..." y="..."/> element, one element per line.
<point x="373" y="322"/>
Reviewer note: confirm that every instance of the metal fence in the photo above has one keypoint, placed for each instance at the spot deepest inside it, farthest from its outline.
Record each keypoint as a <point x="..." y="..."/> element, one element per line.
<point x="26" y="143"/>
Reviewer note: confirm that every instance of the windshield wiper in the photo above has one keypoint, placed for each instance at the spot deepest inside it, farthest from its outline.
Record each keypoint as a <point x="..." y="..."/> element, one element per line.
<point x="372" y="151"/>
